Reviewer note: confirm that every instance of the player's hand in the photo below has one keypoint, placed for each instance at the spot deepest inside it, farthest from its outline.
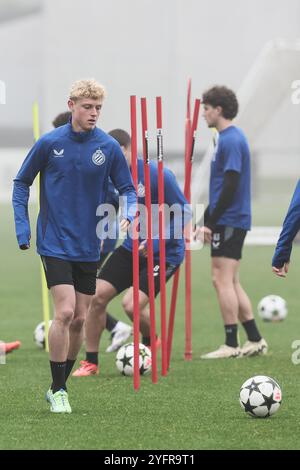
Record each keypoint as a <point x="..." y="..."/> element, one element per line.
<point x="196" y="233"/>
<point x="124" y="224"/>
<point x="204" y="234"/>
<point x="25" y="247"/>
<point x="143" y="249"/>
<point x="281" y="272"/>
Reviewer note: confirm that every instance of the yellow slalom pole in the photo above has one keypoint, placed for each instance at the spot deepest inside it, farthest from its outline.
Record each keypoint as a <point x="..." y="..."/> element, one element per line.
<point x="45" y="295"/>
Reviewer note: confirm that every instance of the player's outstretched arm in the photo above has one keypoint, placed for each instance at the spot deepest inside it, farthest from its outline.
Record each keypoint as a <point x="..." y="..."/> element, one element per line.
<point x="32" y="165"/>
<point x="291" y="226"/>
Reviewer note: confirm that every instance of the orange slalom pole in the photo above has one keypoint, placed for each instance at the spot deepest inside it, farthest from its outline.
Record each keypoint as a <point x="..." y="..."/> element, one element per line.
<point x="162" y="242"/>
<point x="150" y="265"/>
<point x="135" y="250"/>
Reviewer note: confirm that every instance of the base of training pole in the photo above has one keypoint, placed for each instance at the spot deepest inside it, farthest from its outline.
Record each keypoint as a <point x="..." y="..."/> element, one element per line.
<point x="188" y="356"/>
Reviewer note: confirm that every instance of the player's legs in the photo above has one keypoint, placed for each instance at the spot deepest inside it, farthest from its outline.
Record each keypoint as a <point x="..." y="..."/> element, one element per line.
<point x="96" y="318"/>
<point x="60" y="282"/>
<point x="118" y="272"/>
<point x="226" y="250"/>
<point x="255" y="344"/>
<point x="59" y="278"/>
<point x="72" y="285"/>
<point x="64" y="306"/>
<point x="111" y="321"/>
<point x="112" y="279"/>
<point x="83" y="302"/>
<point x="84" y="278"/>
<point x="94" y="326"/>
<point x="245" y="307"/>
<point x="64" y="300"/>
<point x="223" y="274"/>
<point x="127" y="304"/>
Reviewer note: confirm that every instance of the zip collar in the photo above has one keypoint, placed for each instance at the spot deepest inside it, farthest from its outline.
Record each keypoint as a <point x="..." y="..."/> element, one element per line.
<point x="82" y="136"/>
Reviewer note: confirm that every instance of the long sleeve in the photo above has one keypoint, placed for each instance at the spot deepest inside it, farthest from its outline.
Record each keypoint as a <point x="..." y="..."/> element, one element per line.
<point x="34" y="162"/>
<point x="121" y="178"/>
<point x="291" y="226"/>
<point x="230" y="185"/>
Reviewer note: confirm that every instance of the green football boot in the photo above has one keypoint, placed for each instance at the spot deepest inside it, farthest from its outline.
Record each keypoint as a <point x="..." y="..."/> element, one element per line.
<point x="59" y="401"/>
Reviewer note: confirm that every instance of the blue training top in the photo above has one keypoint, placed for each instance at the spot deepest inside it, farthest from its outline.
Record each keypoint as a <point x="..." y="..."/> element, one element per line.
<point x="75" y="168"/>
<point x="109" y="244"/>
<point x="291" y="227"/>
<point x="175" y="244"/>
<point x="232" y="153"/>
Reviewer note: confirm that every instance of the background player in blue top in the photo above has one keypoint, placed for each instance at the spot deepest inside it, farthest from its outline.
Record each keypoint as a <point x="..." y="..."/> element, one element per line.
<point x="116" y="274"/>
<point x="291" y="226"/>
<point x="119" y="330"/>
<point x="226" y="221"/>
<point x="75" y="162"/>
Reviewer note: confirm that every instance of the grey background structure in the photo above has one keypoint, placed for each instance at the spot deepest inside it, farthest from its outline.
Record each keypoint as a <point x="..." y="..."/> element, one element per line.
<point x="142" y="47"/>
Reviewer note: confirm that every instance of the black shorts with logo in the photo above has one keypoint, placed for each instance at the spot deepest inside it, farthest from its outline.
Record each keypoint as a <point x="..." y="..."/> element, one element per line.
<point x="228" y="242"/>
<point x="81" y="275"/>
<point x="118" y="271"/>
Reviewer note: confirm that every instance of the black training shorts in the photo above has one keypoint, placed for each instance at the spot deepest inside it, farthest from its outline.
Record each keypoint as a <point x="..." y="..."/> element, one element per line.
<point x="81" y="275"/>
<point x="118" y="271"/>
<point x="228" y="242"/>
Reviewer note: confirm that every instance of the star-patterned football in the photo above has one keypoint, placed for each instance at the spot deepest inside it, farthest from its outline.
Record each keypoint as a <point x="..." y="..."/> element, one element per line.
<point x="260" y="396"/>
<point x="124" y="359"/>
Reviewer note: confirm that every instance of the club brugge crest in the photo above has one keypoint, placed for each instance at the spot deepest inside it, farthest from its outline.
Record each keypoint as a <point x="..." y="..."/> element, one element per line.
<point x="98" y="157"/>
<point x="141" y="190"/>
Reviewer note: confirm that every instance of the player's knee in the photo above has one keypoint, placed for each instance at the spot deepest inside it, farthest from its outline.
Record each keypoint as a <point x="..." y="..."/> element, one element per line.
<point x="216" y="282"/>
<point x="99" y="303"/>
<point x="77" y="323"/>
<point x="127" y="305"/>
<point x="65" y="316"/>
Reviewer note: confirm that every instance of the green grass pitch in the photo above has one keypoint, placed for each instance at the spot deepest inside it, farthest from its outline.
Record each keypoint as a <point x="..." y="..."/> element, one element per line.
<point x="195" y="407"/>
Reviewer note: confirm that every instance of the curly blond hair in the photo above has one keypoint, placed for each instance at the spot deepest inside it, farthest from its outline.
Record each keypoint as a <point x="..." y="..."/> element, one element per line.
<point x="89" y="88"/>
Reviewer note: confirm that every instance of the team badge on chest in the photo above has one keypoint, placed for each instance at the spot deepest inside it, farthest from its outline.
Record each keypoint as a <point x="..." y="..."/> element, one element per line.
<point x="98" y="157"/>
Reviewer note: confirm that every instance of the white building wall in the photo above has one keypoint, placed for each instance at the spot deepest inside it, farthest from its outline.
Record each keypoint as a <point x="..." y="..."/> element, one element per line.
<point x="151" y="47"/>
<point x="146" y="47"/>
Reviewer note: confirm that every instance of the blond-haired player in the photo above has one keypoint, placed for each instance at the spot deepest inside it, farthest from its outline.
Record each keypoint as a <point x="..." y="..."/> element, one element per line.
<point x="75" y="162"/>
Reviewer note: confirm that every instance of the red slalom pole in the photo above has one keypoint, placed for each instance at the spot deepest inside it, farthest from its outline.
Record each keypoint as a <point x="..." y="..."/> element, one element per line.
<point x="188" y="270"/>
<point x="162" y="242"/>
<point x="177" y="274"/>
<point x="187" y="127"/>
<point x="190" y="150"/>
<point x="135" y="251"/>
<point x="150" y="265"/>
<point x="172" y="315"/>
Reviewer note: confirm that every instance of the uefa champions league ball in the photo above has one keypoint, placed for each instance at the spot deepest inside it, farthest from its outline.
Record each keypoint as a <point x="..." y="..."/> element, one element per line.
<point x="39" y="334"/>
<point x="125" y="358"/>
<point x="272" y="308"/>
<point x="260" y="396"/>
